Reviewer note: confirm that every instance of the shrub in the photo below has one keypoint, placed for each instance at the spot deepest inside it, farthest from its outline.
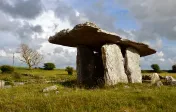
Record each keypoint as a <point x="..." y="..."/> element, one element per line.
<point x="69" y="70"/>
<point x="7" y="69"/>
<point x="17" y="75"/>
<point x="49" y="66"/>
<point x="155" y="68"/>
<point x="174" y="68"/>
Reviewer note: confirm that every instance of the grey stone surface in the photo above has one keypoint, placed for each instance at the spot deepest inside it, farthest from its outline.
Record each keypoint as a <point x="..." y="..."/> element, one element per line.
<point x="159" y="84"/>
<point x="113" y="61"/>
<point x="132" y="66"/>
<point x="85" y="65"/>
<point x="2" y="84"/>
<point x="170" y="80"/>
<point x="154" y="78"/>
<point x="50" y="88"/>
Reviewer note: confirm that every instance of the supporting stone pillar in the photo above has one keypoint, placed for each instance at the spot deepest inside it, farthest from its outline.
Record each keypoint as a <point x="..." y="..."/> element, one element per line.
<point x="85" y="66"/>
<point x="132" y="66"/>
<point x="99" y="70"/>
<point x="113" y="65"/>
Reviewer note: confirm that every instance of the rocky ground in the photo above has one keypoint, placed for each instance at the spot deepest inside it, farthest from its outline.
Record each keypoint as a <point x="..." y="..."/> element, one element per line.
<point x="53" y="91"/>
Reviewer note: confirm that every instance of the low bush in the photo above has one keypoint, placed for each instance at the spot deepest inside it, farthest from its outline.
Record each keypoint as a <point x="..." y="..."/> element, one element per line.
<point x="7" y="69"/>
<point x="17" y="75"/>
<point x="69" y="70"/>
<point x="49" y="66"/>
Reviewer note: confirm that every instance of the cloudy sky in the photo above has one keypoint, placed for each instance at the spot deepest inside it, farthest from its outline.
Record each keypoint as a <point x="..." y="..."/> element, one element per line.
<point x="33" y="21"/>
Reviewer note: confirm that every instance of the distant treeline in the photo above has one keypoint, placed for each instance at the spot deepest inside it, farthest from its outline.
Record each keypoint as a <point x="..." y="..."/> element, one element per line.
<point x="161" y="71"/>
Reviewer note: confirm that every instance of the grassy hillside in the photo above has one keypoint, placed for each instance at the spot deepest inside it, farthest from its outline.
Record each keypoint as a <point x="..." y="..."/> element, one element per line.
<point x="69" y="98"/>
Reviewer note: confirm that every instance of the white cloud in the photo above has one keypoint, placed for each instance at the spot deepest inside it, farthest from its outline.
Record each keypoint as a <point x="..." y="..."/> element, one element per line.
<point x="3" y="53"/>
<point x="160" y="54"/>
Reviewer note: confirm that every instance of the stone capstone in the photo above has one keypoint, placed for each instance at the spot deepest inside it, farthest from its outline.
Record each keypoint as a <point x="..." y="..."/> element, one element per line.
<point x="91" y="35"/>
<point x="132" y="66"/>
<point x="113" y="61"/>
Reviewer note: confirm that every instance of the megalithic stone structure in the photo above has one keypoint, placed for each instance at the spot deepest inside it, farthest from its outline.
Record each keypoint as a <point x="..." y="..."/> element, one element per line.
<point x="103" y="57"/>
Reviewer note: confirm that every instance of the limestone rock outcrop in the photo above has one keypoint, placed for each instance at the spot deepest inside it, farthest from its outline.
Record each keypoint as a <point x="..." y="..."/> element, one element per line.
<point x="113" y="61"/>
<point x="132" y="66"/>
<point x="170" y="80"/>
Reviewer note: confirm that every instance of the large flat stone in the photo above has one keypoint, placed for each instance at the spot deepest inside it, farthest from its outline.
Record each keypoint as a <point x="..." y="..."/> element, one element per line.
<point x="85" y="66"/>
<point x="89" y="34"/>
<point x="143" y="49"/>
<point x="84" y="34"/>
<point x="113" y="65"/>
<point x="132" y="66"/>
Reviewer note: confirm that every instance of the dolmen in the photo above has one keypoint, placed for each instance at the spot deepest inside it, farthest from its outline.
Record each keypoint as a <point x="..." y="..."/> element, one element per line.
<point x="103" y="58"/>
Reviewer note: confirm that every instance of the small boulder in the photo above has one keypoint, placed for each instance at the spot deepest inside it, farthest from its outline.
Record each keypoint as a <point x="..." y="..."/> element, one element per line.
<point x="154" y="78"/>
<point x="2" y="84"/>
<point x="146" y="77"/>
<point x="159" y="84"/>
<point x="170" y="80"/>
<point x="50" y="88"/>
<point x="18" y="83"/>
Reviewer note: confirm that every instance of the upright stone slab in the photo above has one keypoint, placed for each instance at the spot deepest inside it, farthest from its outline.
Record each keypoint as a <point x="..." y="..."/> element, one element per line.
<point x="2" y="84"/>
<point x="132" y="66"/>
<point x="85" y="66"/>
<point x="113" y="61"/>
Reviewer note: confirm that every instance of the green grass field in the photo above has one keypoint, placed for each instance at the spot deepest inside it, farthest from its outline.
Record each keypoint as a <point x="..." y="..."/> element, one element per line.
<point x="70" y="98"/>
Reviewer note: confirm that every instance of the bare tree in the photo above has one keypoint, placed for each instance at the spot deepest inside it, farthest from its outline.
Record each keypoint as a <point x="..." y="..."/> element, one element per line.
<point x="30" y="56"/>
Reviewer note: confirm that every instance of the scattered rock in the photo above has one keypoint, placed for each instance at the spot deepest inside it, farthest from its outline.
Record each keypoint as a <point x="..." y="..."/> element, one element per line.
<point x="8" y="86"/>
<point x="159" y="84"/>
<point x="170" y="80"/>
<point x="57" y="92"/>
<point x="154" y="78"/>
<point x="162" y="77"/>
<point x="146" y="77"/>
<point x="114" y="71"/>
<point x="132" y="68"/>
<point x="18" y="83"/>
<point x="2" y="84"/>
<point x="46" y="94"/>
<point x="28" y="75"/>
<point x="51" y="88"/>
<point x="127" y="87"/>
